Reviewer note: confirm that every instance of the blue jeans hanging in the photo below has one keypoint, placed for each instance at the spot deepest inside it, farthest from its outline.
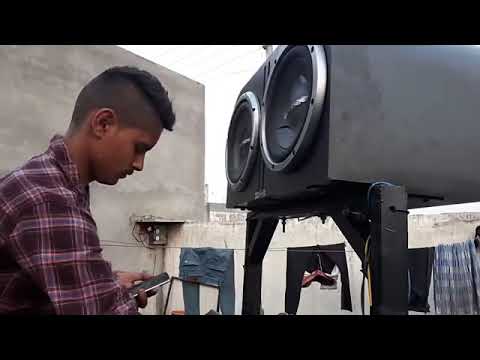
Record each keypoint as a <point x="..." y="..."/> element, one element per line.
<point x="208" y="266"/>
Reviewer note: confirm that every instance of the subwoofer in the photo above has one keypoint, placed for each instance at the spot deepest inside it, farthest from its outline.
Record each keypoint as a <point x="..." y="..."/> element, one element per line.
<point x="243" y="160"/>
<point x="359" y="114"/>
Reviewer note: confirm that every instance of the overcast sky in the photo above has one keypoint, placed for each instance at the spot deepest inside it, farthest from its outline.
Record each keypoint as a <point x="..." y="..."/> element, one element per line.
<point x="224" y="70"/>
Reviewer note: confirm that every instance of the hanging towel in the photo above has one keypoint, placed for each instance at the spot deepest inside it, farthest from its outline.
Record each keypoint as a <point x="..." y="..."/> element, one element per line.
<point x="456" y="279"/>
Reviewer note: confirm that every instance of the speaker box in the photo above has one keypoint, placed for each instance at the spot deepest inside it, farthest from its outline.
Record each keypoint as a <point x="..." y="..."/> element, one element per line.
<point x="243" y="162"/>
<point x="358" y="114"/>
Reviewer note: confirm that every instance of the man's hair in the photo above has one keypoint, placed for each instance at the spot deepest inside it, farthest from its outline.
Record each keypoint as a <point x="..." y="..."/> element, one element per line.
<point x="113" y="89"/>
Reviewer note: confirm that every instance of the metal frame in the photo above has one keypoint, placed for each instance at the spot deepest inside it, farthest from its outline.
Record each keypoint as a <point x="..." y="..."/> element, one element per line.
<point x="317" y="100"/>
<point x="192" y="282"/>
<point x="385" y="224"/>
<point x="256" y="110"/>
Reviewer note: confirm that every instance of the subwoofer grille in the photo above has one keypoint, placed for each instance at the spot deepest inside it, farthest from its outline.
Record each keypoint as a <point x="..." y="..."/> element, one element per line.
<point x="242" y="142"/>
<point x="293" y="103"/>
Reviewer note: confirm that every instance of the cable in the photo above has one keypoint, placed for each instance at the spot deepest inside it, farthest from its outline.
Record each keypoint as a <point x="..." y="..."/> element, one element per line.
<point x="186" y="50"/>
<point x="117" y="243"/>
<point x="124" y="246"/>
<point x="229" y="61"/>
<point x="217" y="76"/>
<point x="170" y="50"/>
<point x="268" y="250"/>
<point x="140" y="241"/>
<point x="371" y="188"/>
<point x="202" y="51"/>
<point x="252" y="65"/>
<point x="365" y="269"/>
<point x="154" y="263"/>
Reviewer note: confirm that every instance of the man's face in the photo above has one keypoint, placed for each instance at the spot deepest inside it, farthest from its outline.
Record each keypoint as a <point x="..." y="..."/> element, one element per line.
<point x="121" y="151"/>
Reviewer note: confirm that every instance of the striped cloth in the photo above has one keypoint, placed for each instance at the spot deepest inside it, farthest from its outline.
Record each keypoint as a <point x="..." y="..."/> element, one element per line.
<point x="456" y="275"/>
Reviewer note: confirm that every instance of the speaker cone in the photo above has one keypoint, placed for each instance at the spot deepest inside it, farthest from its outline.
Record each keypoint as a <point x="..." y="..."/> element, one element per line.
<point x="242" y="141"/>
<point x="293" y="103"/>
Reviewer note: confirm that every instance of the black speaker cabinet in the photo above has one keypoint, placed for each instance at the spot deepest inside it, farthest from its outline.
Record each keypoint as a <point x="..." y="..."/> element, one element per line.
<point x="404" y="114"/>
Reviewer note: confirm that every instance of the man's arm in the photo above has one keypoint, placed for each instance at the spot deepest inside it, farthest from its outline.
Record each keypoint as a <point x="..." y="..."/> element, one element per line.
<point x="129" y="279"/>
<point x="59" y="248"/>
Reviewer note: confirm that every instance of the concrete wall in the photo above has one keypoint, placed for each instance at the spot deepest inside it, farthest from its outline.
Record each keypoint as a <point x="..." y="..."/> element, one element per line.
<point x="227" y="230"/>
<point x="38" y="88"/>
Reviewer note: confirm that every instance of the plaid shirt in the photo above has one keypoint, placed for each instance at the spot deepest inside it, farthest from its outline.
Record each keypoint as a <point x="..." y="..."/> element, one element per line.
<point x="50" y="255"/>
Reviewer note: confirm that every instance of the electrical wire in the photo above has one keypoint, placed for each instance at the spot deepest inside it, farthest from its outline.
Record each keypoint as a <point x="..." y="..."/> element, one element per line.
<point x="371" y="188"/>
<point x="185" y="54"/>
<point x="116" y="243"/>
<point x="365" y="270"/>
<point x="200" y="52"/>
<point x="229" y="61"/>
<point x="170" y="50"/>
<point x="138" y="240"/>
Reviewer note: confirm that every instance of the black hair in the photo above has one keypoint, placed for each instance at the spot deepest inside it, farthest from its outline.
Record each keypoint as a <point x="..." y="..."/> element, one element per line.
<point x="112" y="88"/>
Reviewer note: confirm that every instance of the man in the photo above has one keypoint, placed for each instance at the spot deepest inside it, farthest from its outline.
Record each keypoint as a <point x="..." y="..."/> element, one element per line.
<point x="50" y="254"/>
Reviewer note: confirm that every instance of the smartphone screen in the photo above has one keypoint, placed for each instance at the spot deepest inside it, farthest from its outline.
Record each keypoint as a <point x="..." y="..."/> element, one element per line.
<point x="150" y="284"/>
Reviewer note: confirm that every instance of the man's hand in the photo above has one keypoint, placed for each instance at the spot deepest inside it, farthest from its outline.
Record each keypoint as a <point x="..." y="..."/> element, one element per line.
<point x="128" y="279"/>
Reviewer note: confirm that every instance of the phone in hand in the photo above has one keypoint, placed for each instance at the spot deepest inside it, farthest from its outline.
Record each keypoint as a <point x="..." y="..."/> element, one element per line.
<point x="150" y="284"/>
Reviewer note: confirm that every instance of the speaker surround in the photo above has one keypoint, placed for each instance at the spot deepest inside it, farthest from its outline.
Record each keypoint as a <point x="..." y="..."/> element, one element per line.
<point x="242" y="142"/>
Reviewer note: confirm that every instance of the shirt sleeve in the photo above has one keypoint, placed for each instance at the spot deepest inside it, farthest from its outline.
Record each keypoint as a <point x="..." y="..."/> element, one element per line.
<point x="58" y="247"/>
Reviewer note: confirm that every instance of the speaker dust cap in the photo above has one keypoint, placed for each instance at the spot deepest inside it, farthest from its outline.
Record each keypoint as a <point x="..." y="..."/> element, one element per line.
<point x="292" y="104"/>
<point x="242" y="141"/>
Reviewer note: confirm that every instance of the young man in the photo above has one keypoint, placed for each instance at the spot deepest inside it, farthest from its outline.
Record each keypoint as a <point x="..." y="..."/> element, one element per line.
<point x="50" y="254"/>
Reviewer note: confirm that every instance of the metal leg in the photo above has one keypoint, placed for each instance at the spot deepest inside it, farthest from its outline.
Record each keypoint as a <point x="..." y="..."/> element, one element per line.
<point x="356" y="233"/>
<point x="258" y="237"/>
<point x="389" y="251"/>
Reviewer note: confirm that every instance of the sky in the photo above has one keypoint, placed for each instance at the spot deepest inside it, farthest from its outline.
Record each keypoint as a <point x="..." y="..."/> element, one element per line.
<point x="224" y="70"/>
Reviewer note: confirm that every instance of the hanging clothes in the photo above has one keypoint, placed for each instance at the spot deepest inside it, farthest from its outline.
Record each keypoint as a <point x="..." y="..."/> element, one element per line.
<point x="301" y="259"/>
<point x="456" y="277"/>
<point x="420" y="266"/>
<point x="318" y="276"/>
<point x="208" y="266"/>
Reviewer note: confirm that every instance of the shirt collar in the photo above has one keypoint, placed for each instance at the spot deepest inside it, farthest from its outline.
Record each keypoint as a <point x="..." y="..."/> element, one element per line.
<point x="59" y="152"/>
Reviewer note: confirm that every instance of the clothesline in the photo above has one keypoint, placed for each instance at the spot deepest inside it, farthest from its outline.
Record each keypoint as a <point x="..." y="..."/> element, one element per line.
<point x="110" y="243"/>
<point x="275" y="249"/>
<point x="119" y="244"/>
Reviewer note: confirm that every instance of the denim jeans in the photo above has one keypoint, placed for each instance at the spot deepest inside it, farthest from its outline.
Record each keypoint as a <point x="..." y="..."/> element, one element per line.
<point x="208" y="266"/>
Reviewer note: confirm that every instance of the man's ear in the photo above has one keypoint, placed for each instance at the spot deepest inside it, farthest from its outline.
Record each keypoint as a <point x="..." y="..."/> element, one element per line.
<point x="102" y="122"/>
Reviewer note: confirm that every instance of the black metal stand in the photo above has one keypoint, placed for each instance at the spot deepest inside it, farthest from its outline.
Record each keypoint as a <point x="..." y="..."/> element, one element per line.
<point x="259" y="235"/>
<point x="383" y="223"/>
<point x="388" y="251"/>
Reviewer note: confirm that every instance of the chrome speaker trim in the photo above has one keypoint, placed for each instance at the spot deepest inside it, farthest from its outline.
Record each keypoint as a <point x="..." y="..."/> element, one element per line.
<point x="256" y="110"/>
<point x="317" y="100"/>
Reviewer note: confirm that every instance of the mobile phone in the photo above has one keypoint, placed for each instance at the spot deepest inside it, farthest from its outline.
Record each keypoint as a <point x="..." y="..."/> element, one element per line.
<point x="150" y="284"/>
